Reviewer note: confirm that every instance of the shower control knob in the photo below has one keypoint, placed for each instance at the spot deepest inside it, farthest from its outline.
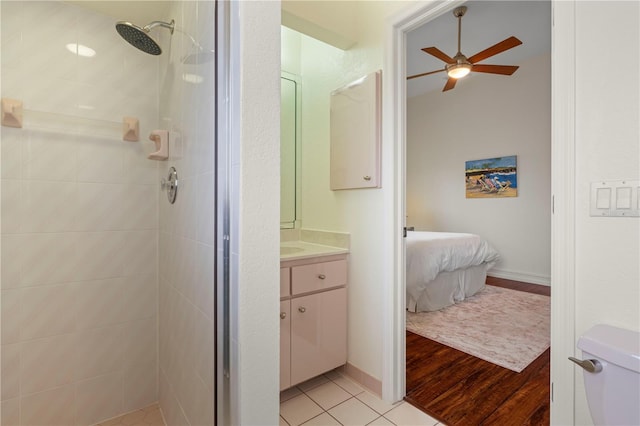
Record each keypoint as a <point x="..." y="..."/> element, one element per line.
<point x="170" y="184"/>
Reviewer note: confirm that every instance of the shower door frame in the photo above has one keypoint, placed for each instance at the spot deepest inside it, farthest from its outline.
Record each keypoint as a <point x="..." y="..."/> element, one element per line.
<point x="223" y="114"/>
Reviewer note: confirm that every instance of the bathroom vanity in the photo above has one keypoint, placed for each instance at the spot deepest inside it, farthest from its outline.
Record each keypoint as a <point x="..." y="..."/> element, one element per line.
<point x="313" y="311"/>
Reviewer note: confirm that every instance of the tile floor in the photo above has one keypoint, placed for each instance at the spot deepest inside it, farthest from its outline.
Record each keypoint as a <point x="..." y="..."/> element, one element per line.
<point x="327" y="400"/>
<point x="148" y="416"/>
<point x="332" y="399"/>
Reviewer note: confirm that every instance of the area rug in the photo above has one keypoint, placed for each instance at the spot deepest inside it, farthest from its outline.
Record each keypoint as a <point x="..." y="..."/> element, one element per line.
<point x="505" y="327"/>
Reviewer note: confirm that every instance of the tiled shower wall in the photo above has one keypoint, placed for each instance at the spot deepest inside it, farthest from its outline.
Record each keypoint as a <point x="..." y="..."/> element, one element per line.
<point x="187" y="246"/>
<point x="79" y="222"/>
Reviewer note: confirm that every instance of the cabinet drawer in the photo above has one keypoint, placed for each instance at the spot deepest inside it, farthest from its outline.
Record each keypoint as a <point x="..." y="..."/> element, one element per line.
<point x="285" y="280"/>
<point x="318" y="276"/>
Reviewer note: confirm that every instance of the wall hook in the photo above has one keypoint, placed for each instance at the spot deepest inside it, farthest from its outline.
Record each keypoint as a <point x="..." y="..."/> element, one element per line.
<point x="130" y="129"/>
<point x="161" y="140"/>
<point x="11" y="113"/>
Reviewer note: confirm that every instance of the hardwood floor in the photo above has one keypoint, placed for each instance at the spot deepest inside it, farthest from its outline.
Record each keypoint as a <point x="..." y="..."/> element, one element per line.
<point x="460" y="389"/>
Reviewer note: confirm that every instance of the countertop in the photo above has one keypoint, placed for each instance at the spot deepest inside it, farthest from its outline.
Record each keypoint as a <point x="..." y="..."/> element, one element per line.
<point x="294" y="250"/>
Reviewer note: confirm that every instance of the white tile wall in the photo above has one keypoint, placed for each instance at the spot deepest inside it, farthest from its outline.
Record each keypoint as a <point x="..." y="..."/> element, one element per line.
<point x="186" y="241"/>
<point x="79" y="222"/>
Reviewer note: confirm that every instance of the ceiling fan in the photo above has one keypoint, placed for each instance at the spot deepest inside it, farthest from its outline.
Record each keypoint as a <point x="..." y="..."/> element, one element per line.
<point x="459" y="66"/>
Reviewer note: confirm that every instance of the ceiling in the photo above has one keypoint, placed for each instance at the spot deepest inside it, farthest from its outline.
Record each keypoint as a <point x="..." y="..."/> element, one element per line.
<point x="485" y="24"/>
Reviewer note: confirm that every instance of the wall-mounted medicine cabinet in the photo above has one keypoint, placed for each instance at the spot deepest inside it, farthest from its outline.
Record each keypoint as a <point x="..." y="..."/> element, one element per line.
<point x="355" y="134"/>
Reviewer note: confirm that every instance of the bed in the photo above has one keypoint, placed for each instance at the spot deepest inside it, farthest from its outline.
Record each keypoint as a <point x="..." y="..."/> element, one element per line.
<point x="444" y="268"/>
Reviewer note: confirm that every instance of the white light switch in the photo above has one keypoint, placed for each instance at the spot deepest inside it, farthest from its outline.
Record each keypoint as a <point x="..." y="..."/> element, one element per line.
<point x="623" y="197"/>
<point x="600" y="204"/>
<point x="603" y="198"/>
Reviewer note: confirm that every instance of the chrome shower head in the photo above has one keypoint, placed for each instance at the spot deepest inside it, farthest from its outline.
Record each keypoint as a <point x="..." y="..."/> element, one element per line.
<point x="140" y="38"/>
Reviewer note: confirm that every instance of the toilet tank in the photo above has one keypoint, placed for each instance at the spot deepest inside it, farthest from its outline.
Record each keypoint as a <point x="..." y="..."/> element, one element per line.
<point x="613" y="394"/>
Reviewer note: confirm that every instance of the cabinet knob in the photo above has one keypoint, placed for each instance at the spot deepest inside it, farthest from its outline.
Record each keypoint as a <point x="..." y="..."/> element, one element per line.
<point x="302" y="309"/>
<point x="366" y="178"/>
<point x="283" y="315"/>
<point x="322" y="276"/>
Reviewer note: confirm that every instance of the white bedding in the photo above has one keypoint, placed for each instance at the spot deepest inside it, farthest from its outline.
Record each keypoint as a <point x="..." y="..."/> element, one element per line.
<point x="430" y="253"/>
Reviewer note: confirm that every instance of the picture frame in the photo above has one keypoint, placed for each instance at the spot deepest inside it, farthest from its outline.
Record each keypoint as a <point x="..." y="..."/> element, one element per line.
<point x="491" y="177"/>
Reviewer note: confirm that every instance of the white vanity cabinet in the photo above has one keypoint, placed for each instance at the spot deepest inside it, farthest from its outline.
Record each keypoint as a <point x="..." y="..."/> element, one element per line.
<point x="313" y="318"/>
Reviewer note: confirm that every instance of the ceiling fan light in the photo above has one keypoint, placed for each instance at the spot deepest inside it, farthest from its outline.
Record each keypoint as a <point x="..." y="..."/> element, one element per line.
<point x="458" y="70"/>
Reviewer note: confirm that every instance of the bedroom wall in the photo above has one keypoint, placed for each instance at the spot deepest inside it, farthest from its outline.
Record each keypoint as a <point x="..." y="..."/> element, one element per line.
<point x="486" y="116"/>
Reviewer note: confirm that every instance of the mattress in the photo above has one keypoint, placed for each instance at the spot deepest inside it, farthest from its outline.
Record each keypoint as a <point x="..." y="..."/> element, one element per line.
<point x="429" y="254"/>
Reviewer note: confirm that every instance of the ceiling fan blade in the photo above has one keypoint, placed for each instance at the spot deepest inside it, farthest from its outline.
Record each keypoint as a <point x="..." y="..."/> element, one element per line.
<point x="495" y="69"/>
<point x="505" y="44"/>
<point x="451" y="83"/>
<point x="424" y="73"/>
<point x="434" y="51"/>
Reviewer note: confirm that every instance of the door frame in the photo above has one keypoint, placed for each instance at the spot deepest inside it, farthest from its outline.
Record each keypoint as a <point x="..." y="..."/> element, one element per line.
<point x="562" y="190"/>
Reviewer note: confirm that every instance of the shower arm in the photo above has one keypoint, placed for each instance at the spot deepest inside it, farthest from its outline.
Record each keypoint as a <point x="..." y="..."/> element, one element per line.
<point x="170" y="25"/>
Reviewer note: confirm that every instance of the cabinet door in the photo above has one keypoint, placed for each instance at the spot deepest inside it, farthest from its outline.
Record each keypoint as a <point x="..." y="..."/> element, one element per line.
<point x="355" y="115"/>
<point x="285" y="344"/>
<point x="318" y="334"/>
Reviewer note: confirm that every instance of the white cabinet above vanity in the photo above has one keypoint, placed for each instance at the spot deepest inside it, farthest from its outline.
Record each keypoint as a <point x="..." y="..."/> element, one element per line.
<point x="313" y="312"/>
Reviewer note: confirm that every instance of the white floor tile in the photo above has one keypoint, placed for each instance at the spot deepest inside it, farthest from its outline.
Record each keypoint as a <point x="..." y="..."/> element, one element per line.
<point x="312" y="383"/>
<point x="348" y="385"/>
<point x="376" y="403"/>
<point x="299" y="409"/>
<point x="323" y="419"/>
<point x="406" y="414"/>
<point x="381" y="421"/>
<point x="328" y="395"/>
<point x="283" y="422"/>
<point x="353" y="412"/>
<point x="332" y="375"/>
<point x="287" y="394"/>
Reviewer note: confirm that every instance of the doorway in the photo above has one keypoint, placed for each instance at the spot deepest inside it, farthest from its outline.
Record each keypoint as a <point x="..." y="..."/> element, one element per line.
<point x="448" y="131"/>
<point x="562" y="194"/>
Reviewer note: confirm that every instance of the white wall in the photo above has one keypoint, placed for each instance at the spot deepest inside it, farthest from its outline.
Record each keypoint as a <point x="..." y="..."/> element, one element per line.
<point x="484" y="117"/>
<point x="255" y="211"/>
<point x="79" y="222"/>
<point x="187" y="239"/>
<point x="607" y="147"/>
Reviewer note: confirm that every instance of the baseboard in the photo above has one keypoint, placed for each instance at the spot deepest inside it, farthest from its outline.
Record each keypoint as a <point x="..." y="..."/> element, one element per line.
<point x="363" y="379"/>
<point x="520" y="276"/>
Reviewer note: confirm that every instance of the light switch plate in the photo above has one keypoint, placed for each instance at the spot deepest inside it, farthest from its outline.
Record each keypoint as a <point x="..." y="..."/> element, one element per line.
<point x="620" y="198"/>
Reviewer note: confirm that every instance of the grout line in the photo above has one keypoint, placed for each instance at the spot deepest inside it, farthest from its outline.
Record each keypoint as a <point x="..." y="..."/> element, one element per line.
<point x="283" y="419"/>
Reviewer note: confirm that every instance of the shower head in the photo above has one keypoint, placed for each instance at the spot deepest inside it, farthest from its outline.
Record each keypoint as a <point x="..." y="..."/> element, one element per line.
<point x="140" y="38"/>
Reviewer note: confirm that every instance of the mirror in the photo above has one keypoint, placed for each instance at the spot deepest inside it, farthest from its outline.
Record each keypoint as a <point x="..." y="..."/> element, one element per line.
<point x="289" y="150"/>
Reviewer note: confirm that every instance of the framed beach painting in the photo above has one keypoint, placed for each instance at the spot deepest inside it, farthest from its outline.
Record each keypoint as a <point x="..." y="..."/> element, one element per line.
<point x="491" y="177"/>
